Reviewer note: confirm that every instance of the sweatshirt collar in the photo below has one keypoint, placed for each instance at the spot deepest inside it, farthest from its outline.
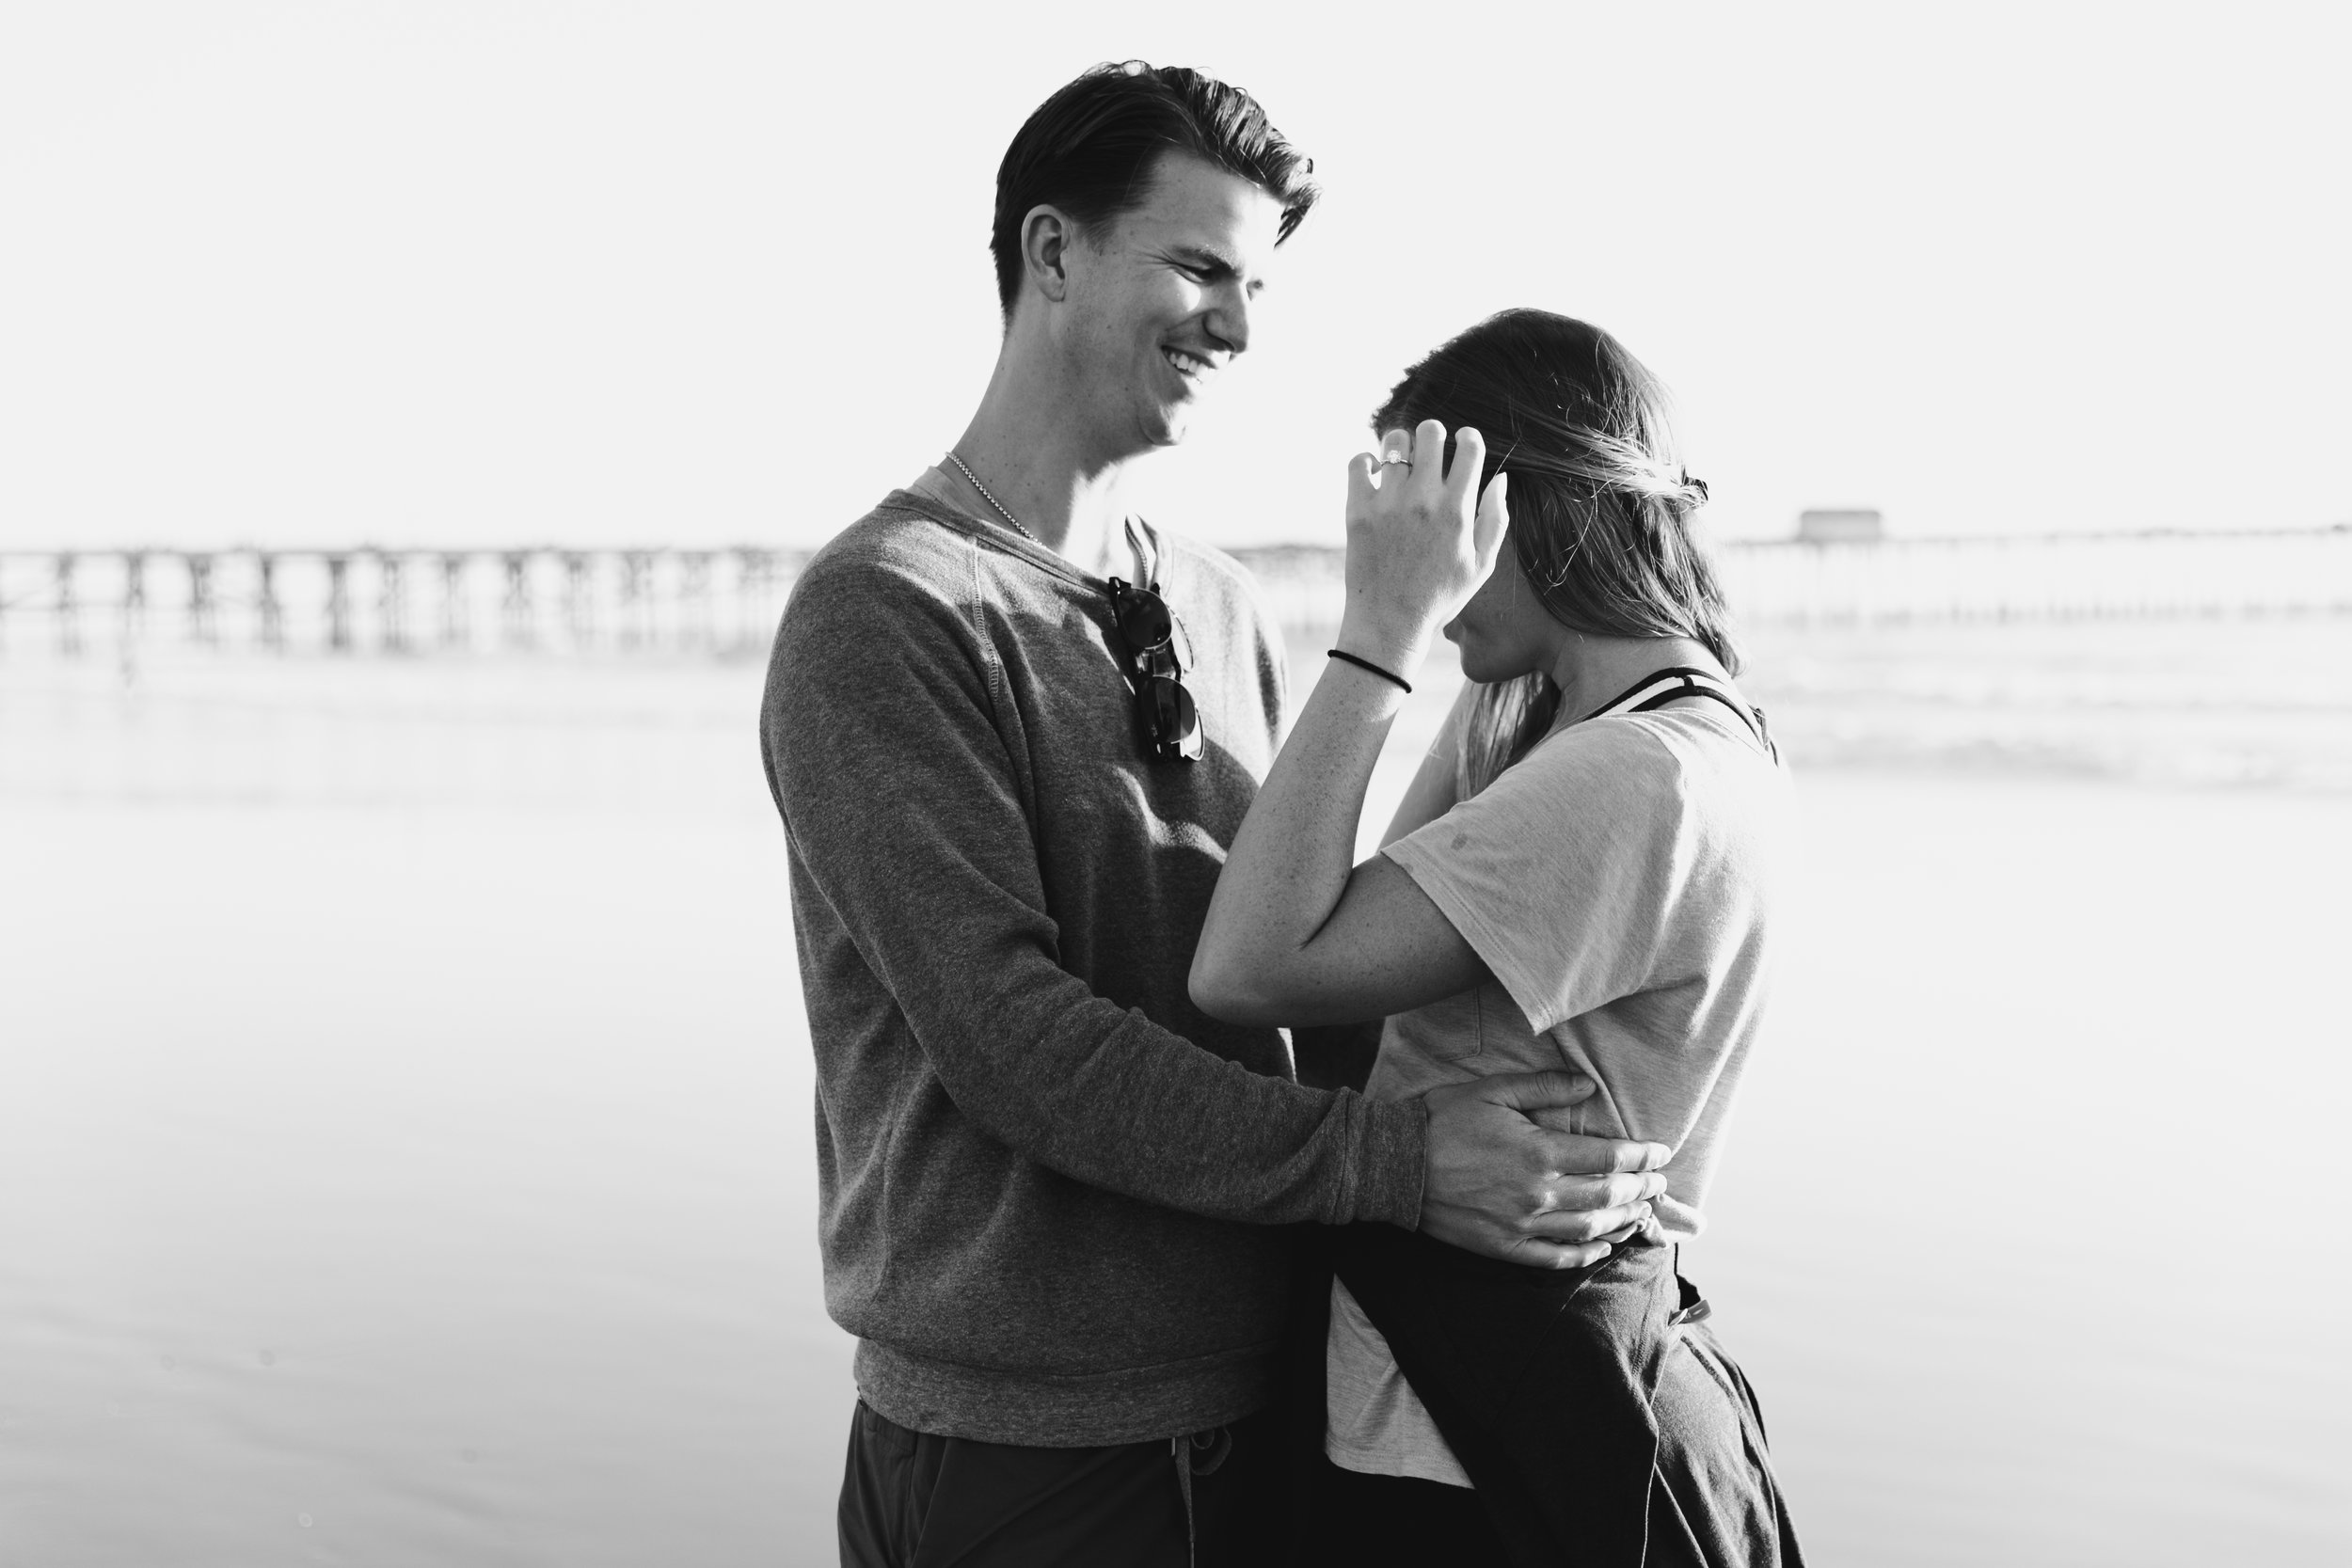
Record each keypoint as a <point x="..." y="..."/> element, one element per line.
<point x="926" y="498"/>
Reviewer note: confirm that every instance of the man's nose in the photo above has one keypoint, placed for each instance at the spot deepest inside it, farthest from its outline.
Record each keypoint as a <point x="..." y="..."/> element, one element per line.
<point x="1228" y="318"/>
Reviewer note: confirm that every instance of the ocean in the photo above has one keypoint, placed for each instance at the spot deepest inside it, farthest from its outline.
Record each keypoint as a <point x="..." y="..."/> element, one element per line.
<point x="408" y="1152"/>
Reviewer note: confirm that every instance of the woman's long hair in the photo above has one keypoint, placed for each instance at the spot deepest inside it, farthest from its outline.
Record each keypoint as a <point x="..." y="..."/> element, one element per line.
<point x="1601" y="506"/>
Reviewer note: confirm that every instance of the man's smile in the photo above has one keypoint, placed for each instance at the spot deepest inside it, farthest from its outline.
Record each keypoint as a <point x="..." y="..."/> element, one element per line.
<point x="1191" y="366"/>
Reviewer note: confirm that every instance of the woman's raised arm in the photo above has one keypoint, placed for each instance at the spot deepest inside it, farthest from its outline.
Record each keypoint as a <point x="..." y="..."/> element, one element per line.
<point x="1433" y="792"/>
<point x="1296" y="932"/>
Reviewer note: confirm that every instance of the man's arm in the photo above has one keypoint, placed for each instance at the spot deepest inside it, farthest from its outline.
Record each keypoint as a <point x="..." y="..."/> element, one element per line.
<point x="902" y="804"/>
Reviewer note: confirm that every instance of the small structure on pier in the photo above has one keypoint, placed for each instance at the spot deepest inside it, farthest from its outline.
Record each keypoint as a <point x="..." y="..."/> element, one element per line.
<point x="1840" y="526"/>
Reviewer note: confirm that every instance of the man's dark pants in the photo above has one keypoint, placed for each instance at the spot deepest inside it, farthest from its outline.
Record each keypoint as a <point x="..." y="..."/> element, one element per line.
<point x="911" y="1499"/>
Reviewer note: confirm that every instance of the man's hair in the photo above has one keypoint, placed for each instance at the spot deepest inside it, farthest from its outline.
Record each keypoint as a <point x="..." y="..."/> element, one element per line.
<point x="1600" y="504"/>
<point x="1091" y="149"/>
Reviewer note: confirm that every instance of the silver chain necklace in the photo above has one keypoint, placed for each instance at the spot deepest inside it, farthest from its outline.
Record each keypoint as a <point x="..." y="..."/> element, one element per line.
<point x="992" y="500"/>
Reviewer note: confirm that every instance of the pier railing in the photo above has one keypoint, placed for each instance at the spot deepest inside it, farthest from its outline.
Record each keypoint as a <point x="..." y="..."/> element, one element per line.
<point x="554" y="600"/>
<point x="2042" y="578"/>
<point x="386" y="601"/>
<point x="2051" y="578"/>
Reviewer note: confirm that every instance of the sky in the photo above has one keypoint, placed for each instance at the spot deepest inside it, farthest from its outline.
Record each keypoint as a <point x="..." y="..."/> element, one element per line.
<point x="604" y="273"/>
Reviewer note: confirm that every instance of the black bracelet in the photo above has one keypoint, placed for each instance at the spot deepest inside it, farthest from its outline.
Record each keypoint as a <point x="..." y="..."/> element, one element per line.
<point x="1367" y="664"/>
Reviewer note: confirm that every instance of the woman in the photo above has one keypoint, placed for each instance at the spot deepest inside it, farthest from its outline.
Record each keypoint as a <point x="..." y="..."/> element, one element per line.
<point x="1583" y="874"/>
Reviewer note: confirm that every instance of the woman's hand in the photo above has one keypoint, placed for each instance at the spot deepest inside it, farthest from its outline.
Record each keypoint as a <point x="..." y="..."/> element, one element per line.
<point x="1416" y="546"/>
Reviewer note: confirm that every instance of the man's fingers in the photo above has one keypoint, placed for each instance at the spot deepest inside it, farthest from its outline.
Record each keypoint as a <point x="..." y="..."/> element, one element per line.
<point x="1613" y="1191"/>
<point x="1577" y="1154"/>
<point x="1555" y="1246"/>
<point x="1573" y="1225"/>
<point x="1533" y="1091"/>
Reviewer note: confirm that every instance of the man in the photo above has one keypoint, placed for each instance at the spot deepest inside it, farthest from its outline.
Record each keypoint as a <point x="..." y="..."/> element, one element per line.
<point x="1010" y="730"/>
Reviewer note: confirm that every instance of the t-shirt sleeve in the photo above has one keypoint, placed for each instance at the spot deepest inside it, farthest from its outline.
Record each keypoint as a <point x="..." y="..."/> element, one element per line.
<point x="1561" y="874"/>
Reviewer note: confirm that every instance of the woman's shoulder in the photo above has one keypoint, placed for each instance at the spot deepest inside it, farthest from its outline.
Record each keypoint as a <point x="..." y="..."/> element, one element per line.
<point x="1706" y="736"/>
<point x="1665" y="764"/>
<point x="1623" y="746"/>
<point x="1726" y="782"/>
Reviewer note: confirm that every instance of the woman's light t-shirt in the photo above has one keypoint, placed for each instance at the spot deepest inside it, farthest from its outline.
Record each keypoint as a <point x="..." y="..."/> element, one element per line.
<point x="1618" y="883"/>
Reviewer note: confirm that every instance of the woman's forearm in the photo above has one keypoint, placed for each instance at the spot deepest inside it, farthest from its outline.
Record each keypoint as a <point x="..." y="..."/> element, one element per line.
<point x="1419" y="539"/>
<point x="1290" y="862"/>
<point x="1431" y="794"/>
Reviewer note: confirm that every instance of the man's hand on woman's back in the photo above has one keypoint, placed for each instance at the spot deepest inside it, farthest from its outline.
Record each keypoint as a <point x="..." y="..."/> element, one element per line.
<point x="1503" y="1184"/>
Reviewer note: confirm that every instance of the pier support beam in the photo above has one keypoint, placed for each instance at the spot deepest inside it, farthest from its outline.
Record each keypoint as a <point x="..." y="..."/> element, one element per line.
<point x="338" y="603"/>
<point x="69" y="613"/>
<point x="516" y="609"/>
<point x="391" y="602"/>
<point x="201" y="630"/>
<point x="636" y="629"/>
<point x="456" y="626"/>
<point x="580" y="604"/>
<point x="268" y="609"/>
<point x="133" y="597"/>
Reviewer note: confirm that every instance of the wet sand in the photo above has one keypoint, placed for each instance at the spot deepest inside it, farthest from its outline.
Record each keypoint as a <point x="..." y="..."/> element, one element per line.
<point x="408" y="1157"/>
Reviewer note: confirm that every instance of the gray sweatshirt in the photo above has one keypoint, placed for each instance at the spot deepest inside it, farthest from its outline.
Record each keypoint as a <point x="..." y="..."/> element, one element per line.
<point x="1048" y="1183"/>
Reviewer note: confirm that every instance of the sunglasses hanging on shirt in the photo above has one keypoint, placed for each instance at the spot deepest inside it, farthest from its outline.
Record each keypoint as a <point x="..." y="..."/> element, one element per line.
<point x="1164" y="710"/>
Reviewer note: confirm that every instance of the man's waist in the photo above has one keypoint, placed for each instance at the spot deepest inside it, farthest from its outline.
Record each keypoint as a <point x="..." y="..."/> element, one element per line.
<point x="1042" y="1407"/>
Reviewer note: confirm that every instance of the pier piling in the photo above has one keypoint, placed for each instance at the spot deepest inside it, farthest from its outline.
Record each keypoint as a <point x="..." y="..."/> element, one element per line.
<point x="201" y="630"/>
<point x="338" y="603"/>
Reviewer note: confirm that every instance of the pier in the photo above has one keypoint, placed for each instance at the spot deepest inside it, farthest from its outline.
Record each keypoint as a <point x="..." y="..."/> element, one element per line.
<point x="1862" y="582"/>
<point x="724" y="601"/>
<point x="395" y="602"/>
<point x="2057" y="576"/>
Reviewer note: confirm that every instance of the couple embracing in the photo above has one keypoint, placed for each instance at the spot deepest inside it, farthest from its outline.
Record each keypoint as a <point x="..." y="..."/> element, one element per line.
<point x="1143" y="1269"/>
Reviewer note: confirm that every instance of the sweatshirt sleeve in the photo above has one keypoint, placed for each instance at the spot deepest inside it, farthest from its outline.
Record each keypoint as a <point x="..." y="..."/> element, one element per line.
<point x="900" y="798"/>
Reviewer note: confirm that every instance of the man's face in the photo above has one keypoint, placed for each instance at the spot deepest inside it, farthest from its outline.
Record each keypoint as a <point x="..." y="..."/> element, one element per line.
<point x="1161" y="299"/>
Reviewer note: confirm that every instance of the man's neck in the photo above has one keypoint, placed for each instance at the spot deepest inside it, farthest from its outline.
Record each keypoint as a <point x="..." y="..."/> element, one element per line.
<point x="1027" y="450"/>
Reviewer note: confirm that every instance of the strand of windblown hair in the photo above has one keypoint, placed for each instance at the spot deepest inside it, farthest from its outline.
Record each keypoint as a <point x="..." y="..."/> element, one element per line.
<point x="1599" y="463"/>
<point x="1598" y="458"/>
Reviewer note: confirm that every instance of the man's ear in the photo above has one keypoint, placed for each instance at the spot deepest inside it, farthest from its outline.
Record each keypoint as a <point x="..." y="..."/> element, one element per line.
<point x="1047" y="237"/>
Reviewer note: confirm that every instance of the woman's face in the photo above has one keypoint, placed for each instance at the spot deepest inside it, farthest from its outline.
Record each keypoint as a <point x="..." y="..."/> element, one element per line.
<point x="1504" y="630"/>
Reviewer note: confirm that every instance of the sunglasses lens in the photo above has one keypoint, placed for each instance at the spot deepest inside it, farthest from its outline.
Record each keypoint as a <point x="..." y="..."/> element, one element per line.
<point x="1143" y="620"/>
<point x="1173" y="722"/>
<point x="1186" y="730"/>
